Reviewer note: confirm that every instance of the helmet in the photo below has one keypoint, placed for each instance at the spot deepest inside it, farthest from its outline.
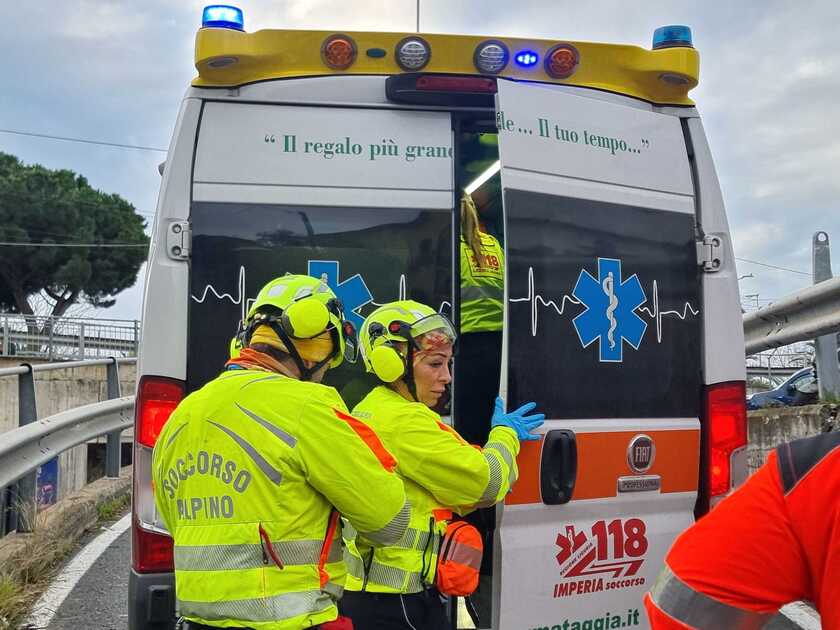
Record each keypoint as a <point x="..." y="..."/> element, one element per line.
<point x="302" y="307"/>
<point x="408" y="322"/>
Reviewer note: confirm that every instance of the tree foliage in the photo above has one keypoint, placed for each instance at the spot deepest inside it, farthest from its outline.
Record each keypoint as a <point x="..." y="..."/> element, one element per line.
<point x="43" y="206"/>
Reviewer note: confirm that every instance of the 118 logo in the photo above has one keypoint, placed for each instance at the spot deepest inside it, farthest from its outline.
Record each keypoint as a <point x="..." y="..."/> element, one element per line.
<point x="615" y="548"/>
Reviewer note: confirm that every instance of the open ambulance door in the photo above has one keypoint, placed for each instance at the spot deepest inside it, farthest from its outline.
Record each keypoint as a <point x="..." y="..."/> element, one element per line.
<point x="602" y="330"/>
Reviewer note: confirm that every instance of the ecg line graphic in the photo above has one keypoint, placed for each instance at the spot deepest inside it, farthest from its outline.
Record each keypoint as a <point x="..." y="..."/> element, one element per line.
<point x="246" y="303"/>
<point x="241" y="300"/>
<point x="535" y="299"/>
<point x="657" y="315"/>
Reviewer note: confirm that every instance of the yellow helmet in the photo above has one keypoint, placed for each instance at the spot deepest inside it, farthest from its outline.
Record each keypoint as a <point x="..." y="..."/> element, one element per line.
<point x="302" y="307"/>
<point x="406" y="322"/>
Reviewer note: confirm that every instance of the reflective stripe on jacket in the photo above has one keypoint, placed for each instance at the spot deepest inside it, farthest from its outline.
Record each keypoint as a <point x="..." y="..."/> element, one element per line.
<point x="482" y="286"/>
<point x="442" y="474"/>
<point x="774" y="541"/>
<point x="246" y="473"/>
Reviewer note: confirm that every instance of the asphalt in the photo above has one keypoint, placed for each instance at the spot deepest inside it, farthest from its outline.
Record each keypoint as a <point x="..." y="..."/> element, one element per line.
<point x="100" y="598"/>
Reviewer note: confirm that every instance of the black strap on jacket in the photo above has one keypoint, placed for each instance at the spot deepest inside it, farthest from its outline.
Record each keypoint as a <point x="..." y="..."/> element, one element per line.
<point x="796" y="459"/>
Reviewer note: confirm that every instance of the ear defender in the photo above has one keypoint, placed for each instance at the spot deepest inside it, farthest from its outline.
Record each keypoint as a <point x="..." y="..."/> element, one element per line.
<point x="305" y="318"/>
<point x="387" y="363"/>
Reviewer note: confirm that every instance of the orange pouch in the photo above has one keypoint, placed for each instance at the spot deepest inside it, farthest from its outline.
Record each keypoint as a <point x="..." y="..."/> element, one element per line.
<point x="459" y="559"/>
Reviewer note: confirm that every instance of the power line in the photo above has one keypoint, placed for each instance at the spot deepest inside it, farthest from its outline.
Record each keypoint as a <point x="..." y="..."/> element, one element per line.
<point x="82" y="140"/>
<point x="8" y="244"/>
<point x="761" y="264"/>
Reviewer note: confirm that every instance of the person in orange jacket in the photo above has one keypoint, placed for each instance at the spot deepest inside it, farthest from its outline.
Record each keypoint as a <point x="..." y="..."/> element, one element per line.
<point x="774" y="541"/>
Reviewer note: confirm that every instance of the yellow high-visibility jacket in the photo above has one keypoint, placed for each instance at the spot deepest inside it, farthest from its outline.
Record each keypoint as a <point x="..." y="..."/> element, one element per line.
<point x="247" y="473"/>
<point x="482" y="286"/>
<point x="442" y="473"/>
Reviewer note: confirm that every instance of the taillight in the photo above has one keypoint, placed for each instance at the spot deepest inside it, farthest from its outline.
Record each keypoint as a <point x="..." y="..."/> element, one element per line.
<point x="441" y="89"/>
<point x="151" y="552"/>
<point x="413" y="53"/>
<point x="491" y="57"/>
<point x="157" y="398"/>
<point x="455" y="84"/>
<point x="562" y="61"/>
<point x="338" y="52"/>
<point x="725" y="412"/>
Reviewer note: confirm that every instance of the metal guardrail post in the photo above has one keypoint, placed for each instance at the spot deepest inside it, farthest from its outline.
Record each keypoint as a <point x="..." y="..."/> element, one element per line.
<point x="27" y="413"/>
<point x="113" y="448"/>
<point x="81" y="341"/>
<point x="136" y="338"/>
<point x="51" y="340"/>
<point x="6" y="333"/>
<point x="10" y="515"/>
<point x="828" y="371"/>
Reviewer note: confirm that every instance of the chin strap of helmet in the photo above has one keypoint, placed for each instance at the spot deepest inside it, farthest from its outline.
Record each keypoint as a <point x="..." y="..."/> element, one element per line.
<point x="409" y="371"/>
<point x="305" y="372"/>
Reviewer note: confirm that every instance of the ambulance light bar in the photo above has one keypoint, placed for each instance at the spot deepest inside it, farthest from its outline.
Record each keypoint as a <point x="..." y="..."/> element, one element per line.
<point x="526" y="58"/>
<point x="223" y="16"/>
<point x="675" y="35"/>
<point x="491" y="57"/>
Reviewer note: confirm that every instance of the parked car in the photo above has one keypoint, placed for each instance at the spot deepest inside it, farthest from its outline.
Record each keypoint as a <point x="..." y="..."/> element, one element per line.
<point x="799" y="389"/>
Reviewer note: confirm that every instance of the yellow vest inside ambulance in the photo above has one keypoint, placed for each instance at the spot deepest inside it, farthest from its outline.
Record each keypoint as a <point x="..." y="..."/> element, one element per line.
<point x="344" y="155"/>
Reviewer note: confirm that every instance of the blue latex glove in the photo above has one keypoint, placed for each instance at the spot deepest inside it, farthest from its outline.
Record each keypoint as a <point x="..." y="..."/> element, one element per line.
<point x="517" y="420"/>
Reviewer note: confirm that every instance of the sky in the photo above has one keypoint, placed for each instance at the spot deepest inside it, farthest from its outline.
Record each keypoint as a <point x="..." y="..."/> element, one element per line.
<point x="115" y="71"/>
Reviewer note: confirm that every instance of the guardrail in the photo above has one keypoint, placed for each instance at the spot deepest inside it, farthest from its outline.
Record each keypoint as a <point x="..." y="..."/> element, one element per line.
<point x="806" y="314"/>
<point x="772" y="373"/>
<point x="67" y="337"/>
<point x="36" y="442"/>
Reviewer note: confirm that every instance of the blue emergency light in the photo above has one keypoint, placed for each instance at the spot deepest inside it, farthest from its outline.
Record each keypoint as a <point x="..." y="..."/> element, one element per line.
<point x="222" y="16"/>
<point x="671" y="36"/>
<point x="526" y="58"/>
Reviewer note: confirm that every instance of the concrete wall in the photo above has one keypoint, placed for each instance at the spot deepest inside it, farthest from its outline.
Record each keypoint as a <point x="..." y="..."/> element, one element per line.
<point x="770" y="427"/>
<point x="59" y="390"/>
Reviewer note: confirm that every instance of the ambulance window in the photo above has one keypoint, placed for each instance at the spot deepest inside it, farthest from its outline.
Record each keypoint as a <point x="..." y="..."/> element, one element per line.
<point x="649" y="367"/>
<point x="368" y="254"/>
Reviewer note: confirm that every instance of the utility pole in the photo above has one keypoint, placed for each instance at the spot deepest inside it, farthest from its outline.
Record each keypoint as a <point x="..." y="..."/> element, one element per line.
<point x="828" y="372"/>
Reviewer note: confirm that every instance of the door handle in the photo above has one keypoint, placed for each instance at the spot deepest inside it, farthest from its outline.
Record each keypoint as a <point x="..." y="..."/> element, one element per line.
<point x="558" y="468"/>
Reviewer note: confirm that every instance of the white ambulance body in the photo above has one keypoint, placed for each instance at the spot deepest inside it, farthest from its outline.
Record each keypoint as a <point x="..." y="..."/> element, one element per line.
<point x="623" y="318"/>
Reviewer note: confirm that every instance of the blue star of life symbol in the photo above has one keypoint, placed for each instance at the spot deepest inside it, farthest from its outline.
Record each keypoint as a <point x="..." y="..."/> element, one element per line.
<point x="352" y="292"/>
<point x="610" y="315"/>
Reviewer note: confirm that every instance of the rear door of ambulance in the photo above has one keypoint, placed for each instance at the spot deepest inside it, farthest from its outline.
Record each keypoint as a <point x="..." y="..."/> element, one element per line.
<point x="257" y="186"/>
<point x="334" y="192"/>
<point x="603" y="332"/>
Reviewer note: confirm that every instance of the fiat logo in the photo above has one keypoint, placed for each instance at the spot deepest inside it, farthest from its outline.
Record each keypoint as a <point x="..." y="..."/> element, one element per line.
<point x="640" y="453"/>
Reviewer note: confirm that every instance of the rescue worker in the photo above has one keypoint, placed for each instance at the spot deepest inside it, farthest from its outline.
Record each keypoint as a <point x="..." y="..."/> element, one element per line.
<point x="252" y="470"/>
<point x="776" y="540"/>
<point x="408" y="346"/>
<point x="482" y="306"/>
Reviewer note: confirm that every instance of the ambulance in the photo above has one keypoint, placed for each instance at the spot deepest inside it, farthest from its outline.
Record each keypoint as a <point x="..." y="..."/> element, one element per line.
<point x="344" y="155"/>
